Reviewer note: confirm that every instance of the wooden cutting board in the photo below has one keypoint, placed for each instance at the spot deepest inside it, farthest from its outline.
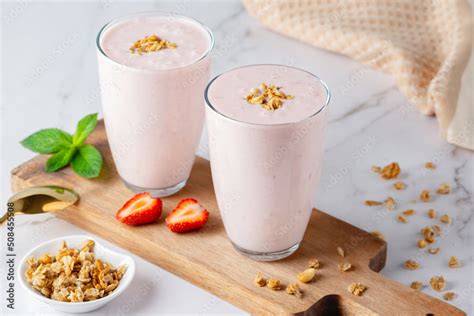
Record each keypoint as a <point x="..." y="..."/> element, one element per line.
<point x="206" y="257"/>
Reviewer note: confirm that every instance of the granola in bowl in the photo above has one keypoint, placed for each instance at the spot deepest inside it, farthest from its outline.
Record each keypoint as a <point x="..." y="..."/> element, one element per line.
<point x="73" y="275"/>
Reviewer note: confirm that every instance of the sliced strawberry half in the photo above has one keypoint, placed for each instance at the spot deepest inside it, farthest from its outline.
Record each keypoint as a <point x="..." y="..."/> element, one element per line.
<point x="140" y="209"/>
<point x="188" y="215"/>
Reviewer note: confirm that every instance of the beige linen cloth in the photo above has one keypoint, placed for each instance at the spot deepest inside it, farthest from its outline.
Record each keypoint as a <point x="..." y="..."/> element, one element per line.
<point x="424" y="44"/>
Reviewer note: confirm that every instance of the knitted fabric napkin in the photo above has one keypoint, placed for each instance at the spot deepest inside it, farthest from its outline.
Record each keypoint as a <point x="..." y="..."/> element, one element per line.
<point x="424" y="44"/>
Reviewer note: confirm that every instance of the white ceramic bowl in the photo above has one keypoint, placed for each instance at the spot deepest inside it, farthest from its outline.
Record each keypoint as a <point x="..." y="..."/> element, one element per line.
<point x="51" y="247"/>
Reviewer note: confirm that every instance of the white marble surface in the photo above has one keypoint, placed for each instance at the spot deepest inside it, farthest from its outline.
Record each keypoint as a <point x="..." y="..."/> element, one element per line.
<point x="49" y="79"/>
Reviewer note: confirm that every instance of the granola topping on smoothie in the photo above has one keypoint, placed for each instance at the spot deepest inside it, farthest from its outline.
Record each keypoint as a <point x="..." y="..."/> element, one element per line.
<point x="150" y="44"/>
<point x="269" y="97"/>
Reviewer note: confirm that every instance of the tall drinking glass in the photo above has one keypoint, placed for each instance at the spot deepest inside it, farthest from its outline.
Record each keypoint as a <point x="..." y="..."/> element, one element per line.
<point x="266" y="162"/>
<point x="152" y="97"/>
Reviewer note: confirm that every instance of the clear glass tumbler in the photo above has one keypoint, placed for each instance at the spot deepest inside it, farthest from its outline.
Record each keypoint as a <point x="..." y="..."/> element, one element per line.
<point x="152" y="102"/>
<point x="265" y="176"/>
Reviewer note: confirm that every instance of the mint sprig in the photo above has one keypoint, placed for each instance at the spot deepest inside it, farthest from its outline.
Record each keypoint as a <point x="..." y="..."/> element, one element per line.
<point x="67" y="149"/>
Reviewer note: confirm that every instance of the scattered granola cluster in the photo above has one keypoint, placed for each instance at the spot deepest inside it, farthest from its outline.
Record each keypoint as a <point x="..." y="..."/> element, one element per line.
<point x="402" y="219"/>
<point x="454" y="262"/>
<point x="429" y="233"/>
<point x="388" y="172"/>
<point x="389" y="203"/>
<point x="150" y="44"/>
<point x="356" y="288"/>
<point x="425" y="196"/>
<point x="274" y="284"/>
<point x="445" y="219"/>
<point x="271" y="283"/>
<point x="437" y="283"/>
<point x="344" y="266"/>
<point x="372" y="203"/>
<point x="409" y="212"/>
<point x="307" y="276"/>
<point x="260" y="281"/>
<point x="434" y="251"/>
<point x="416" y="285"/>
<point x="430" y="165"/>
<point x="294" y="289"/>
<point x="411" y="265"/>
<point x="269" y="97"/>
<point x="449" y="296"/>
<point x="313" y="263"/>
<point x="444" y="188"/>
<point x="399" y="185"/>
<point x="73" y="275"/>
<point x="431" y="213"/>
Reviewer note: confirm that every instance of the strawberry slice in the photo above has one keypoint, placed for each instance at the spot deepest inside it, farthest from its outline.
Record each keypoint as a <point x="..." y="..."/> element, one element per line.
<point x="140" y="209"/>
<point x="188" y="215"/>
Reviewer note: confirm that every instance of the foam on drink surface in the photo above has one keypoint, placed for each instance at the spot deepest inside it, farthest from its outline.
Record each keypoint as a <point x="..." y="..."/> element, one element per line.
<point x="228" y="92"/>
<point x="191" y="39"/>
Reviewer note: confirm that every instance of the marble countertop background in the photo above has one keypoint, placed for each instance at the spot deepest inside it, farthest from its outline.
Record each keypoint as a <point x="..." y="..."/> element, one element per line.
<point x="49" y="79"/>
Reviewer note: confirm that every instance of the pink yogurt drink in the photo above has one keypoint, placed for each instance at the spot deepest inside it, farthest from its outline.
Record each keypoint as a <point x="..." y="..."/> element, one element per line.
<point x="152" y="101"/>
<point x="266" y="163"/>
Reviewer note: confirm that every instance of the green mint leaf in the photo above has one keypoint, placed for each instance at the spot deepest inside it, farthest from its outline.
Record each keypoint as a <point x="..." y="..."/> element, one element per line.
<point x="85" y="126"/>
<point x="47" y="141"/>
<point x="87" y="162"/>
<point x="60" y="160"/>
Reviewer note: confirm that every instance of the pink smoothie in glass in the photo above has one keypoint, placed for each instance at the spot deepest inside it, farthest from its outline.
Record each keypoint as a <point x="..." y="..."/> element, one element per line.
<point x="152" y="102"/>
<point x="266" y="164"/>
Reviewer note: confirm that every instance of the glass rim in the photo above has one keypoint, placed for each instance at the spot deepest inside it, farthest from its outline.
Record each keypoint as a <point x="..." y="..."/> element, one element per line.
<point x="156" y="13"/>
<point x="320" y="110"/>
